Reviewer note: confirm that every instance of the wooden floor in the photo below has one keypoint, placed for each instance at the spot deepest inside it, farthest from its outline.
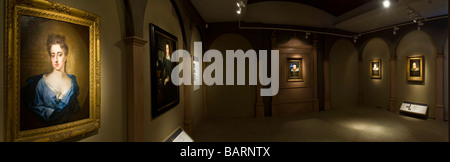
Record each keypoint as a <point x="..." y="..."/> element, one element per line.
<point x="358" y="124"/>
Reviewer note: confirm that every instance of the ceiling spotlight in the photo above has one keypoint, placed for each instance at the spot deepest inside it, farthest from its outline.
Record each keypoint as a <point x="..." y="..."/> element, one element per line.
<point x="386" y="3"/>
<point x="238" y="11"/>
<point x="240" y="3"/>
<point x="307" y="35"/>
<point x="420" y="23"/>
<point x="395" y="30"/>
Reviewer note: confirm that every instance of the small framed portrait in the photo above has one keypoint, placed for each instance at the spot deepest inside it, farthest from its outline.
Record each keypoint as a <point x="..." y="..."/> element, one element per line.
<point x="53" y="71"/>
<point x="294" y="70"/>
<point x="165" y="95"/>
<point x="415" y="68"/>
<point x="375" y="69"/>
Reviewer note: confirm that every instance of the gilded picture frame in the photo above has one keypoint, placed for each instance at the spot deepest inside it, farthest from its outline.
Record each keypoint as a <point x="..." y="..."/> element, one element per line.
<point x="375" y="69"/>
<point x="415" y="69"/>
<point x="294" y="70"/>
<point x="43" y="39"/>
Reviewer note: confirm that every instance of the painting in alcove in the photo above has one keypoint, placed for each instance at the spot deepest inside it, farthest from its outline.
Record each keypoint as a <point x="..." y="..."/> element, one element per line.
<point x="414" y="68"/>
<point x="375" y="69"/>
<point x="295" y="70"/>
<point x="165" y="95"/>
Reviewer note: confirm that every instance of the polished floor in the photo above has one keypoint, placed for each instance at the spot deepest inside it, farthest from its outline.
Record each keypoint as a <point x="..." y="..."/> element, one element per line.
<point x="358" y="124"/>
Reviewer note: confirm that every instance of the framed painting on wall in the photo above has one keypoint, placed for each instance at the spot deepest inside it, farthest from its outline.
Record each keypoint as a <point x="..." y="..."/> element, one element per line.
<point x="52" y="71"/>
<point x="294" y="70"/>
<point x="165" y="95"/>
<point x="375" y="69"/>
<point x="414" y="68"/>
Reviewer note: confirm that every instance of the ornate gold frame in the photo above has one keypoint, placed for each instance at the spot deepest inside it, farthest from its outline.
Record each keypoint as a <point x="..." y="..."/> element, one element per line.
<point x="59" y="12"/>
<point x="408" y="67"/>
<point x="372" y="76"/>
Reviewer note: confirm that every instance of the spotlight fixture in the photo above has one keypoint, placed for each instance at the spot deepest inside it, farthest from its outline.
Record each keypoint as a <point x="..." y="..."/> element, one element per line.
<point x="395" y="30"/>
<point x="240" y="4"/>
<point x="419" y="24"/>
<point x="386" y="3"/>
<point x="354" y="39"/>
<point x="307" y="34"/>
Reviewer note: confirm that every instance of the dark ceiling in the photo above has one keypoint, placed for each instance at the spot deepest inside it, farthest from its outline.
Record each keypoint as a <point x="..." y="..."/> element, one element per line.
<point x="334" y="7"/>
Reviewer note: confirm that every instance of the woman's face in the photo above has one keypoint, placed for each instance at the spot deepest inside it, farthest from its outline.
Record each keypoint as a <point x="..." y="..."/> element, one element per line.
<point x="58" y="57"/>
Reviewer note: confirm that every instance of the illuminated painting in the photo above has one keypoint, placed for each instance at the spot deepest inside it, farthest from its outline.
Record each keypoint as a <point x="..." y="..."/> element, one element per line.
<point x="57" y="71"/>
<point x="375" y="69"/>
<point x="414" y="68"/>
<point x="295" y="69"/>
<point x="165" y="95"/>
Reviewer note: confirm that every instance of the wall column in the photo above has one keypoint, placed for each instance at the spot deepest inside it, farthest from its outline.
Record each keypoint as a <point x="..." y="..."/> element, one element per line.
<point x="394" y="98"/>
<point x="188" y="122"/>
<point x="360" y="89"/>
<point x="259" y="112"/>
<point x="204" y="93"/>
<point x="135" y="92"/>
<point x="326" y="83"/>
<point x="315" y="62"/>
<point x="439" y="111"/>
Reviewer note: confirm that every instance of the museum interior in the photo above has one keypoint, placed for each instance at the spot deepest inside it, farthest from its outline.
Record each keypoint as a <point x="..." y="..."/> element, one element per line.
<point x="338" y="71"/>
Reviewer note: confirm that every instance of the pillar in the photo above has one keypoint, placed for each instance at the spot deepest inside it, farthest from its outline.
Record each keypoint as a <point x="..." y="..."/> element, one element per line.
<point x="205" y="98"/>
<point x="393" y="99"/>
<point x="360" y="87"/>
<point x="135" y="82"/>
<point x="188" y="122"/>
<point x="259" y="102"/>
<point x="326" y="83"/>
<point x="314" y="53"/>
<point x="439" y="110"/>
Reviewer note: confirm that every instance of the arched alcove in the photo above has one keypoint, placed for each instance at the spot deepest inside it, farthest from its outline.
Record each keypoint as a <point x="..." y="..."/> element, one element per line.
<point x="343" y="75"/>
<point x="376" y="90"/>
<point x="417" y="43"/>
<point x="240" y="100"/>
<point x="160" y="13"/>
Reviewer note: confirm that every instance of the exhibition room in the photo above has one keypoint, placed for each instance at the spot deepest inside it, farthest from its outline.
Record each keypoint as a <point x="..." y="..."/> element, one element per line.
<point x="224" y="71"/>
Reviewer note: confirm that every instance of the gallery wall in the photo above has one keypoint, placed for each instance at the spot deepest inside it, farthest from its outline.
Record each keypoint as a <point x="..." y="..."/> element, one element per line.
<point x="231" y="101"/>
<point x="196" y="95"/>
<point x="113" y="85"/>
<point x="417" y="43"/>
<point x="376" y="92"/>
<point x="343" y="60"/>
<point x="162" y="14"/>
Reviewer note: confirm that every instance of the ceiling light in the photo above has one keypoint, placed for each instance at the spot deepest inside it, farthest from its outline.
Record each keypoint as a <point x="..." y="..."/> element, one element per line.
<point x="386" y="3"/>
<point x="240" y="3"/>
<point x="239" y="11"/>
<point x="395" y="30"/>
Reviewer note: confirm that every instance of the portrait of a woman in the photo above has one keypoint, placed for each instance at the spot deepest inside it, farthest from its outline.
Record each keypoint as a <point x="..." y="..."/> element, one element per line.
<point x="52" y="96"/>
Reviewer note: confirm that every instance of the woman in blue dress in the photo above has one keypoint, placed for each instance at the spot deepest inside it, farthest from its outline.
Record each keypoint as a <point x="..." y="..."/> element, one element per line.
<point x="52" y="96"/>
